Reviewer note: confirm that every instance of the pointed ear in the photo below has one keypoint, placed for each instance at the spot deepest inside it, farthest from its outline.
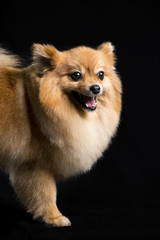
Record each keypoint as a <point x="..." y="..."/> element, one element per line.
<point x="108" y="49"/>
<point x="45" y="58"/>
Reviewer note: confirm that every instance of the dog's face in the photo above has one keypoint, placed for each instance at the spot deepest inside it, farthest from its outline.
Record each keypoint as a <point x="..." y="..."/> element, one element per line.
<point x="83" y="74"/>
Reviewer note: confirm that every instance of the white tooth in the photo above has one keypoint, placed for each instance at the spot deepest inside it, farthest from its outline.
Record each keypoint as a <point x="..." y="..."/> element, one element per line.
<point x="86" y="104"/>
<point x="94" y="105"/>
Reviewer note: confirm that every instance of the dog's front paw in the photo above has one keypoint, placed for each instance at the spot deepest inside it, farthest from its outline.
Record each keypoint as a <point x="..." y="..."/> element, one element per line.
<point x="60" y="221"/>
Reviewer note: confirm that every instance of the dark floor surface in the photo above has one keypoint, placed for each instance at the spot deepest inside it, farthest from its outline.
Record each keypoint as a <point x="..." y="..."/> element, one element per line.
<point x="113" y="220"/>
<point x="101" y="218"/>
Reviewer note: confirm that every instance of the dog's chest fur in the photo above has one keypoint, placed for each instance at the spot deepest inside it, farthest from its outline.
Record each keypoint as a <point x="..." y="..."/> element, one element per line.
<point x="78" y="142"/>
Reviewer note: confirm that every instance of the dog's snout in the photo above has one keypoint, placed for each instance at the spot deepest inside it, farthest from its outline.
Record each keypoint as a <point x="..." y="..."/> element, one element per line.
<point x="95" y="89"/>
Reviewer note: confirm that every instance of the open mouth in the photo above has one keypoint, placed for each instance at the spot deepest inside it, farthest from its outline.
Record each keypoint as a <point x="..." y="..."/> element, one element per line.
<point x="87" y="102"/>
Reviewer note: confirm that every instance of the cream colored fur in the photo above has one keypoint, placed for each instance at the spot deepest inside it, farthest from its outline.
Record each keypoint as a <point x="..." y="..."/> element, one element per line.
<point x="45" y="134"/>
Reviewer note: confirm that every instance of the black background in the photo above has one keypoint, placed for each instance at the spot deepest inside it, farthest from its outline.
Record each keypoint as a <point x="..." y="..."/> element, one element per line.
<point x="120" y="196"/>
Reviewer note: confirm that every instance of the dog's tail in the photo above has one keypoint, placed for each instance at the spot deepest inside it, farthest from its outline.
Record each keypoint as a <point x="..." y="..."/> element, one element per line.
<point x="8" y="60"/>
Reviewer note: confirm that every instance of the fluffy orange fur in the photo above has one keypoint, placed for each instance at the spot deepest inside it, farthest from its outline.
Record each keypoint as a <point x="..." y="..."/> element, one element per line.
<point x="48" y="134"/>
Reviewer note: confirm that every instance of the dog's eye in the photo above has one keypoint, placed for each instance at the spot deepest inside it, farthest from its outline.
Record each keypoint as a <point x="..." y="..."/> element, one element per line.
<point x="76" y="76"/>
<point x="101" y="75"/>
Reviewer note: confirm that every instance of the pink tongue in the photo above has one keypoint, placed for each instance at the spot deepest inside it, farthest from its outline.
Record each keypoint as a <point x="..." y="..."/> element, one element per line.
<point x="90" y="101"/>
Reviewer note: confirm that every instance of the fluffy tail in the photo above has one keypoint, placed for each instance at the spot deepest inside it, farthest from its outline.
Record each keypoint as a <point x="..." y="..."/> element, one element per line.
<point x="7" y="59"/>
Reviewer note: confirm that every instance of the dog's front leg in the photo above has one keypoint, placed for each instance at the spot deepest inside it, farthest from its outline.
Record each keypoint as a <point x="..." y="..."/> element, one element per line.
<point x="36" y="189"/>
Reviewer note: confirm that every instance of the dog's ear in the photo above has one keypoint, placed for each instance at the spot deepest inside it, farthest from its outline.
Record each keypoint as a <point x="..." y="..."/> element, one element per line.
<point x="45" y="58"/>
<point x="108" y="49"/>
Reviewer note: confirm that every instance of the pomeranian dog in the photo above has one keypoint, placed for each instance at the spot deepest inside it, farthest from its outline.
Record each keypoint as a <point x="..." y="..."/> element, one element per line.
<point x="57" y="117"/>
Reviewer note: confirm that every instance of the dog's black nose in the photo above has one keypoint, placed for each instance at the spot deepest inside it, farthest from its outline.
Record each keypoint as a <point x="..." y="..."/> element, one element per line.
<point x="95" y="89"/>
